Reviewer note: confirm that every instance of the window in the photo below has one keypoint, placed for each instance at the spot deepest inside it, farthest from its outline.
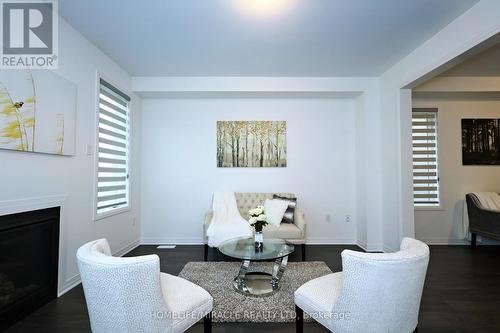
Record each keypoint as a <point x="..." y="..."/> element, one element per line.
<point x="113" y="151"/>
<point x="425" y="157"/>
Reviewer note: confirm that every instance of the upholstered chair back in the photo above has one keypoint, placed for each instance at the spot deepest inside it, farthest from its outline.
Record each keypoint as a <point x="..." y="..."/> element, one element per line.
<point x="381" y="292"/>
<point x="122" y="294"/>
<point x="247" y="201"/>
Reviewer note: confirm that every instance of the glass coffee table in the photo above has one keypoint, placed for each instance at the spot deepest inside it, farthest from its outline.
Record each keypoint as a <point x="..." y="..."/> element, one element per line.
<point x="258" y="283"/>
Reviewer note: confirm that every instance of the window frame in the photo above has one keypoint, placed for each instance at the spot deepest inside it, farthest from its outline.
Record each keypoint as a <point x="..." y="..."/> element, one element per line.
<point x="439" y="205"/>
<point x="96" y="215"/>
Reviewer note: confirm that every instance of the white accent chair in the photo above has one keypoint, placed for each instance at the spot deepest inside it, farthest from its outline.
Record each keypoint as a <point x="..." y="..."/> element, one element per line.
<point x="131" y="295"/>
<point x="375" y="292"/>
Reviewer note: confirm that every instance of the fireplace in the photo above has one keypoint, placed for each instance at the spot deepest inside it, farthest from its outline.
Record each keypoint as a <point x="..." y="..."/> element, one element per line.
<point x="29" y="251"/>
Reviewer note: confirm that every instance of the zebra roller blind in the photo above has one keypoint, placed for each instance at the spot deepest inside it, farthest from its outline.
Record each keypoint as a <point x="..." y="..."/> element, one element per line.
<point x="425" y="157"/>
<point x="113" y="149"/>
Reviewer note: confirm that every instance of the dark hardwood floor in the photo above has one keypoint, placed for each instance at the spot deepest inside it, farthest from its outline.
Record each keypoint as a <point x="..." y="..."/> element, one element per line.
<point x="461" y="294"/>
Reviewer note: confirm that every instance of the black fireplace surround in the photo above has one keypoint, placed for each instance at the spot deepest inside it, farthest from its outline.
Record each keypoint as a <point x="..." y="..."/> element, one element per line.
<point x="29" y="251"/>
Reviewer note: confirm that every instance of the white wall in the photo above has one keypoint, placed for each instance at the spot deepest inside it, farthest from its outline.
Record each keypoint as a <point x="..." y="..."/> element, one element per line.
<point x="361" y="175"/>
<point x="34" y="179"/>
<point x="461" y="84"/>
<point x="179" y="172"/>
<point x="444" y="226"/>
<point x="369" y="194"/>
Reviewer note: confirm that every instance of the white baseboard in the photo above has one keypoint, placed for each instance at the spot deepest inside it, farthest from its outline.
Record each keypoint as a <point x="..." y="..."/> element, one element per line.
<point x="172" y="241"/>
<point x="444" y="241"/>
<point x="75" y="280"/>
<point x="127" y="248"/>
<point x="69" y="284"/>
<point x="456" y="241"/>
<point x="199" y="241"/>
<point x="369" y="247"/>
<point x="388" y="249"/>
<point x="330" y="241"/>
<point x="362" y="244"/>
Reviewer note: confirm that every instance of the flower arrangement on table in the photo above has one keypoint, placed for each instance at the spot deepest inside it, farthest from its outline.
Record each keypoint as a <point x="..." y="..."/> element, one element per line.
<point x="258" y="220"/>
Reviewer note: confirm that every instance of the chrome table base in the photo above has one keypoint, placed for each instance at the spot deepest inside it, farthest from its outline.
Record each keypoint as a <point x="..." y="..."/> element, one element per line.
<point x="259" y="284"/>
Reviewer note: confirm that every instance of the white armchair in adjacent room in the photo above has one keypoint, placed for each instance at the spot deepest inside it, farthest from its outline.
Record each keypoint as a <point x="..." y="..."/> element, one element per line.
<point x="375" y="292"/>
<point x="131" y="295"/>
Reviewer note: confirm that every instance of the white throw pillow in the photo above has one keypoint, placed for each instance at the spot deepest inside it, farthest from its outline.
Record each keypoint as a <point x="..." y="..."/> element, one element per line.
<point x="275" y="209"/>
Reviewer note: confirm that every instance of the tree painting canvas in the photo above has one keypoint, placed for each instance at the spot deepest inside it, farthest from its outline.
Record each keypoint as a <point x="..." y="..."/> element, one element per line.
<point x="481" y="141"/>
<point x="251" y="144"/>
<point x="37" y="112"/>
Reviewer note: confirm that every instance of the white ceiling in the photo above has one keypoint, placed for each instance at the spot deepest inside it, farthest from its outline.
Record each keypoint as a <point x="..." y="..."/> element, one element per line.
<point x="223" y="38"/>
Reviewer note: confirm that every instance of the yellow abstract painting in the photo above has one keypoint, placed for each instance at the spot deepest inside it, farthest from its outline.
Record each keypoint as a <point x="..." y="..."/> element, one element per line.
<point x="37" y="112"/>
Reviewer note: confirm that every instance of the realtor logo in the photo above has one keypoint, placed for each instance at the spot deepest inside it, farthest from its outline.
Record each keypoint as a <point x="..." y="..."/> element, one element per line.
<point x="29" y="34"/>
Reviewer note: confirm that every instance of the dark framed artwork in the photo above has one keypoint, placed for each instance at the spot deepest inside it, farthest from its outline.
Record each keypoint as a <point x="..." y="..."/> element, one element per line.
<point x="481" y="141"/>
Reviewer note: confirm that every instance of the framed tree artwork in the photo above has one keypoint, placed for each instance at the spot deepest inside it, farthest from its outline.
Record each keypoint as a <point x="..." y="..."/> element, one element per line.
<point x="481" y="141"/>
<point x="251" y="144"/>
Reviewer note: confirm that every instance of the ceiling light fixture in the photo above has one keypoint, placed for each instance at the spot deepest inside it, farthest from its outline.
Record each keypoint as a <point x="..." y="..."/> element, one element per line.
<point x="263" y="8"/>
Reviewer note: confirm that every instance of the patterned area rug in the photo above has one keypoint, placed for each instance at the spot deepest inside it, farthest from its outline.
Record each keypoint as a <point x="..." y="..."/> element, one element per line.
<point x="230" y="306"/>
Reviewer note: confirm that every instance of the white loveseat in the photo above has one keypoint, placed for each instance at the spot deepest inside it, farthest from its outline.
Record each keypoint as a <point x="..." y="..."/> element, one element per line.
<point x="294" y="233"/>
